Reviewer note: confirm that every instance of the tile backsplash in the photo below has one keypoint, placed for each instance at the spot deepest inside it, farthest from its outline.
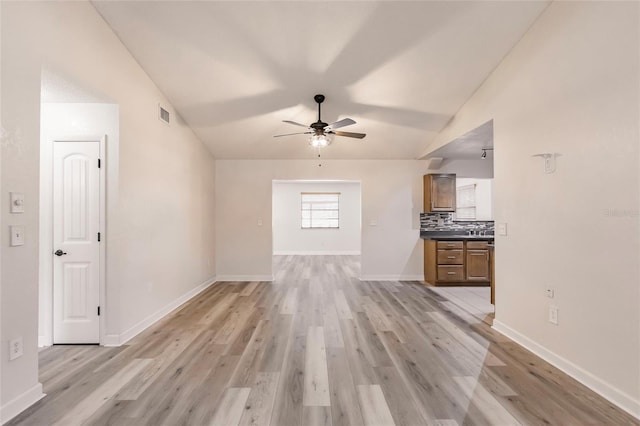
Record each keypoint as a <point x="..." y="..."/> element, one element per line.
<point x="445" y="222"/>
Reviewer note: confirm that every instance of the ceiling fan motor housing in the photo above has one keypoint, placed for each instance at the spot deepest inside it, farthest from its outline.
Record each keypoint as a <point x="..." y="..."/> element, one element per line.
<point x="319" y="128"/>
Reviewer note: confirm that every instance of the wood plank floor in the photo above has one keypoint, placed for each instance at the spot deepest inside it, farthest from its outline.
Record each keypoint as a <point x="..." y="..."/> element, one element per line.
<point x="315" y="347"/>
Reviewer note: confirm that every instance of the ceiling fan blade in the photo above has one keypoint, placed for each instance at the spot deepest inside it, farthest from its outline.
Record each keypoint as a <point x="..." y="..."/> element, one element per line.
<point x="295" y="124"/>
<point x="350" y="134"/>
<point x="291" y="134"/>
<point x="341" y="123"/>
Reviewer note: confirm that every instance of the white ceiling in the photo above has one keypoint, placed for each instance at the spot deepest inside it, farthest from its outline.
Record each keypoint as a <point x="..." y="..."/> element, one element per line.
<point x="469" y="145"/>
<point x="234" y="70"/>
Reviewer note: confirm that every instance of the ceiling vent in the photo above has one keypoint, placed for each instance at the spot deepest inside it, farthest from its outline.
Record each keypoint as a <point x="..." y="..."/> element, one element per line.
<point x="163" y="115"/>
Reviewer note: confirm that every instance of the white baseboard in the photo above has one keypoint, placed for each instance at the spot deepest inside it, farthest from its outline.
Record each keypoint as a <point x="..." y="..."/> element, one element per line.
<point x="111" y="340"/>
<point x="317" y="253"/>
<point x="44" y="341"/>
<point x="391" y="278"/>
<point x="21" y="403"/>
<point x="244" y="278"/>
<point x="604" y="389"/>
<point x="121" y="339"/>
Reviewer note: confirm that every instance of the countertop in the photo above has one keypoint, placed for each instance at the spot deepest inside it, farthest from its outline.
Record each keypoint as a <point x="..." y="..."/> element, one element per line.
<point x="447" y="236"/>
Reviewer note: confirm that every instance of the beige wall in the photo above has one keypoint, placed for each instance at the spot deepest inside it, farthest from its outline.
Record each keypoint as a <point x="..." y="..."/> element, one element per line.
<point x="570" y="87"/>
<point x="160" y="224"/>
<point x="391" y="195"/>
<point x="290" y="238"/>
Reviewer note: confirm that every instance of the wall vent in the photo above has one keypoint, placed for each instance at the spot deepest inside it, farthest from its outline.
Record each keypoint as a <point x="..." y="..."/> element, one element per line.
<point x="163" y="115"/>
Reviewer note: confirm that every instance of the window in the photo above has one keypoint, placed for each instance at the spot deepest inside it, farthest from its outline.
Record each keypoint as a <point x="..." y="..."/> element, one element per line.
<point x="320" y="209"/>
<point x="466" y="202"/>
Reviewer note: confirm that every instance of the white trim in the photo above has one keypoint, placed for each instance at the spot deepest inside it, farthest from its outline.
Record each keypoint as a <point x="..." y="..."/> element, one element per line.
<point x="118" y="340"/>
<point x="44" y="341"/>
<point x="391" y="278"/>
<point x="20" y="403"/>
<point x="596" y="384"/>
<point x="317" y="253"/>
<point x="102" y="245"/>
<point x="111" y="340"/>
<point x="245" y="278"/>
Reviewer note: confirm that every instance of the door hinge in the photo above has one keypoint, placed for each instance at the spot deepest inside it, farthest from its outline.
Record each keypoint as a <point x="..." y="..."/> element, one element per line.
<point x="98" y="310"/>
<point x="98" y="237"/>
<point x="99" y="163"/>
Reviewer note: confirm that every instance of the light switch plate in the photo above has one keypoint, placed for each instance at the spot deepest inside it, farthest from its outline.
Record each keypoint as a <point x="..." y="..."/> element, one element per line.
<point x="502" y="229"/>
<point x="17" y="235"/>
<point x="17" y="202"/>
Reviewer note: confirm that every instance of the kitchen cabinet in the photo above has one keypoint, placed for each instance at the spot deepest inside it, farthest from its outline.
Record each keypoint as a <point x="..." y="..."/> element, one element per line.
<point x="477" y="261"/>
<point x="439" y="193"/>
<point x="450" y="260"/>
<point x="457" y="262"/>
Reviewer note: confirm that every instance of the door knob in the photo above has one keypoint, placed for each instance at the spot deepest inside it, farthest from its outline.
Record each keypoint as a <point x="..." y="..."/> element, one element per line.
<point x="60" y="252"/>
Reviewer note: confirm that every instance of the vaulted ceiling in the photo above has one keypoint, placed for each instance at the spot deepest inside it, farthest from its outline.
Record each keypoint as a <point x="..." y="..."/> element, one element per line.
<point x="235" y="69"/>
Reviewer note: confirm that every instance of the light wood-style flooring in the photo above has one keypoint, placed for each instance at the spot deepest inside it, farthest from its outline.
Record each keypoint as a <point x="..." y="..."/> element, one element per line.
<point x="315" y="347"/>
<point x="473" y="300"/>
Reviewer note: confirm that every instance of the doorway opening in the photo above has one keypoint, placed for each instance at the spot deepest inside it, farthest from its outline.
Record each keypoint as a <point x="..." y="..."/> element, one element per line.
<point x="316" y="217"/>
<point x="78" y="130"/>
<point x="471" y="157"/>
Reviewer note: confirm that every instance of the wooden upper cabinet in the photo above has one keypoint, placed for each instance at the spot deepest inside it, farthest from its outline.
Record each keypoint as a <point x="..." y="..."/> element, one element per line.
<point x="439" y="193"/>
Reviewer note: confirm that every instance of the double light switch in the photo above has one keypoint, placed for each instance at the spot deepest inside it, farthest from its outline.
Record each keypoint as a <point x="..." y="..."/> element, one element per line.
<point x="16" y="200"/>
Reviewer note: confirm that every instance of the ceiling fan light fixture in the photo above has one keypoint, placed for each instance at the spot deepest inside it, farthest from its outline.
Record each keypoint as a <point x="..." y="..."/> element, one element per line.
<point x="320" y="140"/>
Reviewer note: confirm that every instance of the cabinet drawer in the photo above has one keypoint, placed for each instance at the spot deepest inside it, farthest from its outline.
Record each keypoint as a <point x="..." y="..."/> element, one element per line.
<point x="477" y="245"/>
<point x="450" y="273"/>
<point x="450" y="257"/>
<point x="449" y="245"/>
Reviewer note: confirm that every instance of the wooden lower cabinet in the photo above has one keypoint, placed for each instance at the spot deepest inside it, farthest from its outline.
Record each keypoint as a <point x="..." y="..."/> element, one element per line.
<point x="457" y="262"/>
<point x="451" y="273"/>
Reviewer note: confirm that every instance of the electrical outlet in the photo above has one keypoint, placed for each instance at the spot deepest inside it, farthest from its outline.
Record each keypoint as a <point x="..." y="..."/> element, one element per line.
<point x="15" y="348"/>
<point x="553" y="314"/>
<point x="550" y="293"/>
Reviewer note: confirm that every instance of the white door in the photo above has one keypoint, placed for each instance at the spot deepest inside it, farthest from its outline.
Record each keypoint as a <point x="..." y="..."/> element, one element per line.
<point x="76" y="250"/>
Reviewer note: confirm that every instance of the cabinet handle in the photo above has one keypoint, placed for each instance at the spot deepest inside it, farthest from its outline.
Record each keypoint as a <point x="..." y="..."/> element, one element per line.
<point x="451" y="273"/>
<point x="451" y="245"/>
<point x="451" y="257"/>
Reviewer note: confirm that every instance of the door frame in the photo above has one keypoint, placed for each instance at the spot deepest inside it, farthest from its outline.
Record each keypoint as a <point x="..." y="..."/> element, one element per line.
<point x="46" y="237"/>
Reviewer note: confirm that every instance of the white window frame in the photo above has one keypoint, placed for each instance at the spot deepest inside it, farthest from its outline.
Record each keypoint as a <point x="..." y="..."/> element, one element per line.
<point x="466" y="202"/>
<point x="319" y="203"/>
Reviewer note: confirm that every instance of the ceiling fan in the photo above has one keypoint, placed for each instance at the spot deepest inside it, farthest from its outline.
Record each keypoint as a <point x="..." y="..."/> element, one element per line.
<point x="321" y="132"/>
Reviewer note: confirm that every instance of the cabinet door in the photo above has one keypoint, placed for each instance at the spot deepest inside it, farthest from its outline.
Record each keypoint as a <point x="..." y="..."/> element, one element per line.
<point x="477" y="265"/>
<point x="440" y="193"/>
